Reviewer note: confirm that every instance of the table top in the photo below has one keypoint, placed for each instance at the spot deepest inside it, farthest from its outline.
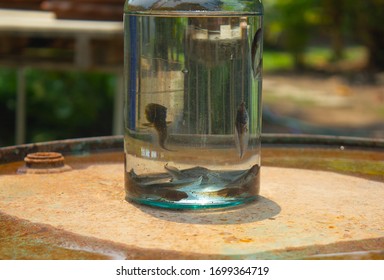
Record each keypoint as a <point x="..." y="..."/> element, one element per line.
<point x="315" y="203"/>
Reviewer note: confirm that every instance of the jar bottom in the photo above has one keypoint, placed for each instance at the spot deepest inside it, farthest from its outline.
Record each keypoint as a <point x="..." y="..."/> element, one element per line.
<point x="206" y="189"/>
<point x="193" y="204"/>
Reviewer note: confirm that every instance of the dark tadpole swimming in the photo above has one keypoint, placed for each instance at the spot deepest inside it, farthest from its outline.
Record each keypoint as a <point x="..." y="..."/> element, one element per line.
<point x="241" y="129"/>
<point x="243" y="184"/>
<point x="162" y="186"/>
<point x="156" y="115"/>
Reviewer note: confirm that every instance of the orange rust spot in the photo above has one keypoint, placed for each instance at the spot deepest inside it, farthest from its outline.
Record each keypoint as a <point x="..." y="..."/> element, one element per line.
<point x="246" y="240"/>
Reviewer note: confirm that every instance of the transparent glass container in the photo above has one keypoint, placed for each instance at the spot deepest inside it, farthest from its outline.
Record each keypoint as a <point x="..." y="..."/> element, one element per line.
<point x="193" y="82"/>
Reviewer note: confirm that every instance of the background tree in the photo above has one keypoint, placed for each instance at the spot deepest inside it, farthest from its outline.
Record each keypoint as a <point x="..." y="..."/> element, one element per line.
<point x="333" y="18"/>
<point x="295" y="19"/>
<point x="367" y="19"/>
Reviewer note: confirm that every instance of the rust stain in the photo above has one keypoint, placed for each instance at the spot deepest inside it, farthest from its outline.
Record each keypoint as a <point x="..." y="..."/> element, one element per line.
<point x="233" y="239"/>
<point x="246" y="240"/>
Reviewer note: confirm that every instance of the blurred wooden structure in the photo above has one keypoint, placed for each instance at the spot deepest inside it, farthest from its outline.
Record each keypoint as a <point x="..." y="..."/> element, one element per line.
<point x="38" y="39"/>
<point x="21" y="4"/>
<point x="85" y="9"/>
<point x="72" y="9"/>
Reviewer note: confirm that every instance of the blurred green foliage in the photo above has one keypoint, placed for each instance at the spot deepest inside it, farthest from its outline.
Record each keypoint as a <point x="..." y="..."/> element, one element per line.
<point x="294" y="25"/>
<point x="60" y="105"/>
<point x="290" y="22"/>
<point x="7" y="106"/>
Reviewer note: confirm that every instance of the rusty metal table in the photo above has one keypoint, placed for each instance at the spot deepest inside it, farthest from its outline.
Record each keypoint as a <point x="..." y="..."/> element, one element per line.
<point x="321" y="198"/>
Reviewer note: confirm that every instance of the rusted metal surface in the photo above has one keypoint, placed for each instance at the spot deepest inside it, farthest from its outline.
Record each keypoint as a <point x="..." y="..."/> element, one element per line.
<point x="66" y="147"/>
<point x="317" y="202"/>
<point x="44" y="162"/>
<point x="299" y="140"/>
<point x="115" y="143"/>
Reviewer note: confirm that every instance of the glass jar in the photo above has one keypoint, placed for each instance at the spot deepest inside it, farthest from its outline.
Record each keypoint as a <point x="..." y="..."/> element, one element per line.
<point x="193" y="81"/>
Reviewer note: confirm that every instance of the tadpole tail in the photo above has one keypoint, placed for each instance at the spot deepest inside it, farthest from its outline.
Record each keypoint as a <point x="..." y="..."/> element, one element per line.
<point x="162" y="132"/>
<point x="241" y="130"/>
